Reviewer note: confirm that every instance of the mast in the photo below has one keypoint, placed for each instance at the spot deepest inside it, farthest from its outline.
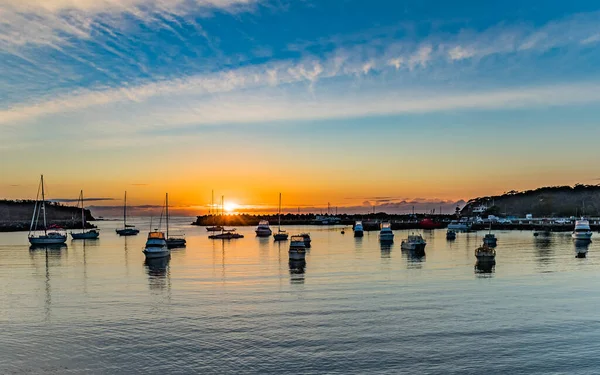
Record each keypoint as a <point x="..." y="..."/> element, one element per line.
<point x="212" y="208"/>
<point x="125" y="211"/>
<point x="44" y="205"/>
<point x="82" y="211"/>
<point x="279" y="212"/>
<point x="167" y="204"/>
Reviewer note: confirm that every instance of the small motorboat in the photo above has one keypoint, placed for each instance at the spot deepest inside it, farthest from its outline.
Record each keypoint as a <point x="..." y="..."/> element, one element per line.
<point x="582" y="231"/>
<point x="214" y="228"/>
<point x="297" y="249"/>
<point x="414" y="242"/>
<point x="358" y="229"/>
<point x="156" y="246"/>
<point x="485" y="254"/>
<point x="490" y="240"/>
<point x="386" y="234"/>
<point x="450" y="235"/>
<point x="263" y="229"/>
<point x="226" y="234"/>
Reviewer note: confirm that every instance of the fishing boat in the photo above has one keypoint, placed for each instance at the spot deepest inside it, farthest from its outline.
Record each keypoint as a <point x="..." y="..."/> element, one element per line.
<point x="358" y="229"/>
<point x="53" y="237"/>
<point x="385" y="233"/>
<point x="263" y="229"/>
<point x="214" y="228"/>
<point x="307" y="240"/>
<point x="582" y="230"/>
<point x="91" y="234"/>
<point x="156" y="245"/>
<point x="173" y="241"/>
<point x="226" y="234"/>
<point x="127" y="230"/>
<point x="281" y="235"/>
<point x="450" y="235"/>
<point x="490" y="239"/>
<point x="485" y="254"/>
<point x="297" y="249"/>
<point x="413" y="242"/>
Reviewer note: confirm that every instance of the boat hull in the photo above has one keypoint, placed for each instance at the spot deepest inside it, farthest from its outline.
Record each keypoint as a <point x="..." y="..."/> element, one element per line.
<point x="386" y="237"/>
<point x="263" y="232"/>
<point x="92" y="235"/>
<point x="45" y="240"/>
<point x="297" y="254"/>
<point x="582" y="236"/>
<point x="359" y="233"/>
<point x="413" y="246"/>
<point x="280" y="236"/>
<point x="156" y="252"/>
<point x="486" y="258"/>
<point x="176" y="242"/>
<point x="127" y="232"/>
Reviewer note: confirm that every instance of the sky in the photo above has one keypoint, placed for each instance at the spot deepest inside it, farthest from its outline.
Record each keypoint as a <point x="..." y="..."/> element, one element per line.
<point x="350" y="102"/>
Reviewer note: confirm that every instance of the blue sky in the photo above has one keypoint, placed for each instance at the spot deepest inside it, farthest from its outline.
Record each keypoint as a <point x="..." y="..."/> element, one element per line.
<point x="107" y="80"/>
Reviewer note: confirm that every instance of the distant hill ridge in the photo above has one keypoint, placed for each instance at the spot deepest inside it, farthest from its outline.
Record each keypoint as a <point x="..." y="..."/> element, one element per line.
<point x="577" y="200"/>
<point x="19" y="212"/>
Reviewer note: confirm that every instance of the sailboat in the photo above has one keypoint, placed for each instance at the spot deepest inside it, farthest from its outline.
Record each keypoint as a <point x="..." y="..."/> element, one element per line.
<point x="84" y="235"/>
<point x="214" y="228"/>
<point x="127" y="230"/>
<point x="48" y="238"/>
<point x="173" y="241"/>
<point x="281" y="235"/>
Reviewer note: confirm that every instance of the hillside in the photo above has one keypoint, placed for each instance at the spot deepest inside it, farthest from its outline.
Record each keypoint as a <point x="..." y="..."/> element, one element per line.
<point x="546" y="201"/>
<point x="15" y="215"/>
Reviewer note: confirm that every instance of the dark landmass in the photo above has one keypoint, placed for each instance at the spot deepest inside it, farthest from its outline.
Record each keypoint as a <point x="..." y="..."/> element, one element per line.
<point x="15" y="215"/>
<point x="552" y="201"/>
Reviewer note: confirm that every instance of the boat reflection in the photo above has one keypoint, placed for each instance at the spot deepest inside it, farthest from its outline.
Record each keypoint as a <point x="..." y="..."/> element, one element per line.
<point x="414" y="258"/>
<point x="485" y="268"/>
<point x="544" y="250"/>
<point x="386" y="250"/>
<point x="297" y="271"/>
<point x="51" y="255"/>
<point x="581" y="248"/>
<point x="51" y="248"/>
<point x="158" y="272"/>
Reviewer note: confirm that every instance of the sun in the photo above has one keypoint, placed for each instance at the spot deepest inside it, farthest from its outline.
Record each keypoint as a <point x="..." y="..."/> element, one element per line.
<point x="230" y="207"/>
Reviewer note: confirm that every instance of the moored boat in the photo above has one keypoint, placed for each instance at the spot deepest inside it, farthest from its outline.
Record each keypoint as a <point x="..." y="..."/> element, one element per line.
<point x="485" y="254"/>
<point x="263" y="229"/>
<point x="490" y="240"/>
<point x="281" y="235"/>
<point x="173" y="241"/>
<point x="459" y="225"/>
<point x="450" y="235"/>
<point x="91" y="234"/>
<point x="297" y="249"/>
<point x="582" y="230"/>
<point x="156" y="246"/>
<point x="413" y="242"/>
<point x="127" y="230"/>
<point x="307" y="240"/>
<point x="385" y="233"/>
<point x="358" y="229"/>
<point x="54" y="237"/>
<point x="226" y="234"/>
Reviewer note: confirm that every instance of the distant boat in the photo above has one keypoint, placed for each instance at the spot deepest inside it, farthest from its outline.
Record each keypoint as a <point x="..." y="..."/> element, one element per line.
<point x="414" y="242"/>
<point x="281" y="235"/>
<point x="127" y="230"/>
<point x="358" y="229"/>
<point x="156" y="245"/>
<point x="485" y="254"/>
<point x="226" y="234"/>
<point x="490" y="239"/>
<point x="582" y="230"/>
<point x="450" y="235"/>
<point x="173" y="241"/>
<point x="263" y="229"/>
<point x="49" y="237"/>
<point x="386" y="234"/>
<point x="307" y="240"/>
<point x="427" y="223"/>
<point x="91" y="234"/>
<point x="297" y="249"/>
<point x="459" y="225"/>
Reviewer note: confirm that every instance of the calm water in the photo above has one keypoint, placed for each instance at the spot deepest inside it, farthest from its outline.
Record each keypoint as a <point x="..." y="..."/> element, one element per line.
<point x="236" y="307"/>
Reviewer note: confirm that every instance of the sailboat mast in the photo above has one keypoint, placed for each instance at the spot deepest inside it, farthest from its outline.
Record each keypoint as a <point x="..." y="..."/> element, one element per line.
<point x="125" y="211"/>
<point x="44" y="205"/>
<point x="82" y="210"/>
<point x="212" y="208"/>
<point x="279" y="214"/>
<point x="167" y="204"/>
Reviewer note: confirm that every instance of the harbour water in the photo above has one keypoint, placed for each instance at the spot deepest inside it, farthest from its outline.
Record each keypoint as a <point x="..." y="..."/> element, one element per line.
<point x="355" y="308"/>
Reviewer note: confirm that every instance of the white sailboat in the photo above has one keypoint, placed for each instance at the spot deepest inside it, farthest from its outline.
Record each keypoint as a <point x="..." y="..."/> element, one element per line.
<point x="91" y="234"/>
<point x="214" y="228"/>
<point x="173" y="241"/>
<point x="127" y="230"/>
<point x="281" y="235"/>
<point x="47" y="238"/>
